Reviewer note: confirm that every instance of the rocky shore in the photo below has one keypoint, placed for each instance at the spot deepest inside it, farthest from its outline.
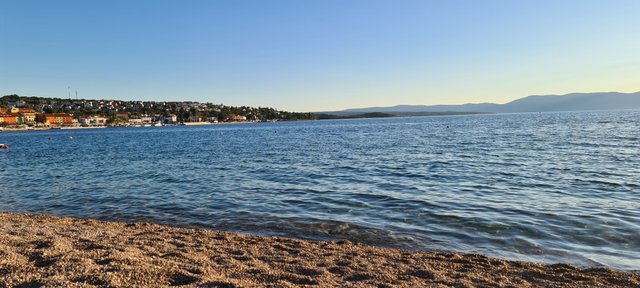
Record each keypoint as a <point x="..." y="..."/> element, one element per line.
<point x="47" y="251"/>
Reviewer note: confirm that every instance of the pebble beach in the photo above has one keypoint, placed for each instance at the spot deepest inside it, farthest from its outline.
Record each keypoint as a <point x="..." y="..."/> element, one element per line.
<point x="48" y="251"/>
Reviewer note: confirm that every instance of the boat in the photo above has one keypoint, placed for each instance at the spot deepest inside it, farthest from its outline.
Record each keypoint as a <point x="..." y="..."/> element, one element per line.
<point x="4" y="146"/>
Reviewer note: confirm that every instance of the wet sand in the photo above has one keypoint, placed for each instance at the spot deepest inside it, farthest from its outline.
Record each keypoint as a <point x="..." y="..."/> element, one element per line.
<point x="46" y="251"/>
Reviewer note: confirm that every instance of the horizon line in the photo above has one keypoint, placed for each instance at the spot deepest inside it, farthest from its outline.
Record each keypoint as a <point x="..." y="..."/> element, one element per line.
<point x="344" y="109"/>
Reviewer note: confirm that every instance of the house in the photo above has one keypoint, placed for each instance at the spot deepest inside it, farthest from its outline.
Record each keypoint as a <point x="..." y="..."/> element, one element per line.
<point x="59" y="119"/>
<point x="238" y="118"/>
<point x="172" y="118"/>
<point x="28" y="115"/>
<point x="85" y="121"/>
<point x="10" y="119"/>
<point x="135" y="121"/>
<point x="99" y="120"/>
<point x="19" y="103"/>
<point x="93" y="121"/>
<point x="123" y="115"/>
<point x="146" y="119"/>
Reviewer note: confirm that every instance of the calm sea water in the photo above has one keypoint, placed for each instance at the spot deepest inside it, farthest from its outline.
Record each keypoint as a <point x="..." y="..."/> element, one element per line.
<point x="557" y="187"/>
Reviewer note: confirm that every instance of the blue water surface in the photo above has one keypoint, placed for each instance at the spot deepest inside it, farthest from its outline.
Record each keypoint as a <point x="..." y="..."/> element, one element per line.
<point x="551" y="187"/>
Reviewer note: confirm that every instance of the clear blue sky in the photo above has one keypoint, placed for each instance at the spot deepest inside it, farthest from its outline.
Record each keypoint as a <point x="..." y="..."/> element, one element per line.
<point x="318" y="55"/>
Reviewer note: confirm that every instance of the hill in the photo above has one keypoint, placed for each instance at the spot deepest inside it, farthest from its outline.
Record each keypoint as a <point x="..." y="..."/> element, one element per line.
<point x="534" y="103"/>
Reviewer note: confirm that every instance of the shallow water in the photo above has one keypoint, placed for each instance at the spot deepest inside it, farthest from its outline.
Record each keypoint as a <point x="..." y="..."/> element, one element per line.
<point x="555" y="187"/>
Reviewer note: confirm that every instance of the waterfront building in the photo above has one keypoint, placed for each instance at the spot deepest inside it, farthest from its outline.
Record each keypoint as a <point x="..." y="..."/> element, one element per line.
<point x="93" y="121"/>
<point x="123" y="115"/>
<point x="28" y="115"/>
<point x="237" y="118"/>
<point x="146" y="119"/>
<point x="171" y="119"/>
<point x="10" y="119"/>
<point x="59" y="119"/>
<point x="135" y="121"/>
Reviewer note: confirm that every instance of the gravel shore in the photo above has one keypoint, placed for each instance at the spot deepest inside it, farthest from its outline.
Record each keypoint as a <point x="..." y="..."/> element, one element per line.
<point x="47" y="251"/>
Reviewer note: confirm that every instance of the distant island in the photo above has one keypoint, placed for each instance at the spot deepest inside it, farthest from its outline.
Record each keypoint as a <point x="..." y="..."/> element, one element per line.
<point x="535" y="103"/>
<point x="322" y="116"/>
<point x="30" y="112"/>
<point x="325" y="116"/>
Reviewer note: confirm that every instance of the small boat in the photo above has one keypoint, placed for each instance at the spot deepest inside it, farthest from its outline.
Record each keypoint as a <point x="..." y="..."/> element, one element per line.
<point x="4" y="146"/>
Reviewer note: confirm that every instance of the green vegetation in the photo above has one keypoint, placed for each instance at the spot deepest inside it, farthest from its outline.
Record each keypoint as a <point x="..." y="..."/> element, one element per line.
<point x="363" y="115"/>
<point x="184" y="111"/>
<point x="343" y="115"/>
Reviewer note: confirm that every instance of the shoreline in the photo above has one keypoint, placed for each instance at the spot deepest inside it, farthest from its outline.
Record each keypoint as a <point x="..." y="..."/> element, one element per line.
<point x="130" y="126"/>
<point x="50" y="251"/>
<point x="49" y="128"/>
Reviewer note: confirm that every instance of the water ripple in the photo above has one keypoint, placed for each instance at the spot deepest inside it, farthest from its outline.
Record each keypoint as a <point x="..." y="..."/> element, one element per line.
<point x="555" y="187"/>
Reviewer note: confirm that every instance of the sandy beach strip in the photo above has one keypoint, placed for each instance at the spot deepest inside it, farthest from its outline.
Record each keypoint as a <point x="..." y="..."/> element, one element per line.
<point x="47" y="251"/>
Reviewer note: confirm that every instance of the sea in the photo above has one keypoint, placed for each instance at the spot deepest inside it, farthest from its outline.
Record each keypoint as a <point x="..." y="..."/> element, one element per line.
<point x="544" y="187"/>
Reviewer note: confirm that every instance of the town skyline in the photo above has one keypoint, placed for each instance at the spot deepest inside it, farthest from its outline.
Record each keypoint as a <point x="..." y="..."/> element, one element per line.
<point x="28" y="112"/>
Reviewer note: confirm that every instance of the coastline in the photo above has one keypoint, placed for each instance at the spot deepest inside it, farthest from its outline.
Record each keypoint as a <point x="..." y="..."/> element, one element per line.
<point x="50" y="251"/>
<point x="50" y="128"/>
<point x="131" y="126"/>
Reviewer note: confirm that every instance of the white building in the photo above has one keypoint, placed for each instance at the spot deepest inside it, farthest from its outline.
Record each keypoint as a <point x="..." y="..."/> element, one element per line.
<point x="93" y="121"/>
<point x="135" y="121"/>
<point x="146" y="119"/>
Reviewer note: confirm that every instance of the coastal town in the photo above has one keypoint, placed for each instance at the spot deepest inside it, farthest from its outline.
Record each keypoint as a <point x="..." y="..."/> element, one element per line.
<point x="26" y="113"/>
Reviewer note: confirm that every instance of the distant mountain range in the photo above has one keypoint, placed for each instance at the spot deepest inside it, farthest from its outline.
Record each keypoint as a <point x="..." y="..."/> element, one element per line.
<point x="535" y="103"/>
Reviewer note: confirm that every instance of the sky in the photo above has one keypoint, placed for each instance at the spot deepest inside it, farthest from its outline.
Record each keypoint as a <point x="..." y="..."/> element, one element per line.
<point x="318" y="55"/>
